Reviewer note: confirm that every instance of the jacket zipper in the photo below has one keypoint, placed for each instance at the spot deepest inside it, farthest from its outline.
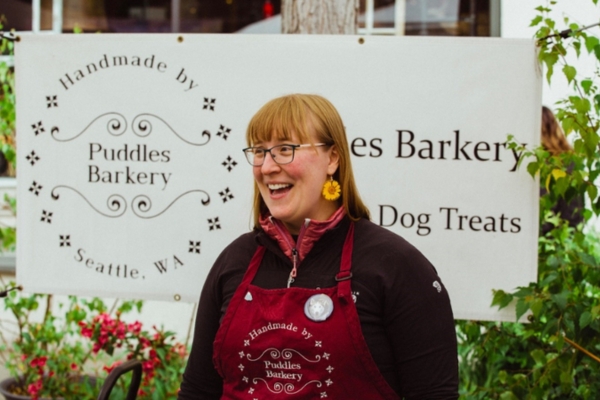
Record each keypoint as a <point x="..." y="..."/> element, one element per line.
<point x="294" y="270"/>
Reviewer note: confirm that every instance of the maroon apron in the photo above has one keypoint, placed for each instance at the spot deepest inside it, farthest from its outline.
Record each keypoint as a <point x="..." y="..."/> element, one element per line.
<point x="268" y="348"/>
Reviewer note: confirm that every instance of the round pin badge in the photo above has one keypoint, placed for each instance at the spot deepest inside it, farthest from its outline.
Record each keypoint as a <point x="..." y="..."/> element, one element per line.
<point x="318" y="307"/>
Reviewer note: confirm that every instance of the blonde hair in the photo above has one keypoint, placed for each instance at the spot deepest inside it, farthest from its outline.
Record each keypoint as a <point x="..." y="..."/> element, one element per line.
<point x="553" y="138"/>
<point x="298" y="114"/>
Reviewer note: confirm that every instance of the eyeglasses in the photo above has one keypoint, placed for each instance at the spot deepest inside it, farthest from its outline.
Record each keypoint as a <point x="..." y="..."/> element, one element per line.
<point x="282" y="154"/>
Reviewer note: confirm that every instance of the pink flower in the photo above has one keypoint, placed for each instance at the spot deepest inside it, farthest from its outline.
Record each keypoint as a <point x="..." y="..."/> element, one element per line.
<point x="180" y="349"/>
<point x="135" y="327"/>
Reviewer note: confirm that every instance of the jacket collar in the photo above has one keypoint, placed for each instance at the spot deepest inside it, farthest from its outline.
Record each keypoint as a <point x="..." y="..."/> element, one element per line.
<point x="310" y="232"/>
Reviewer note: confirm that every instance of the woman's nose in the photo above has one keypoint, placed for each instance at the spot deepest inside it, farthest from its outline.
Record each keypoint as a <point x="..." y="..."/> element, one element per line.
<point x="269" y="164"/>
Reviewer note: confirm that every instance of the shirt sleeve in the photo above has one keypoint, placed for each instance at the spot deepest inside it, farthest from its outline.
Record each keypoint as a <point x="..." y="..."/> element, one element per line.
<point x="405" y="314"/>
<point x="420" y="327"/>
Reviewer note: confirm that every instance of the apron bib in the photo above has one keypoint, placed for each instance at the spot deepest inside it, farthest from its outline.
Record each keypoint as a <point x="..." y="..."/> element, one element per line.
<point x="296" y="343"/>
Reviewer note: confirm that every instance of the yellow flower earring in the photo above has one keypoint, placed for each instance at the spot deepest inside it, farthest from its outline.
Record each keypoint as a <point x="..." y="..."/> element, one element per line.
<point x="331" y="190"/>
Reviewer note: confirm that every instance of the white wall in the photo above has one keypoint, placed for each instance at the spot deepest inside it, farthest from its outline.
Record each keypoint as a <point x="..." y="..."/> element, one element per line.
<point x="516" y="15"/>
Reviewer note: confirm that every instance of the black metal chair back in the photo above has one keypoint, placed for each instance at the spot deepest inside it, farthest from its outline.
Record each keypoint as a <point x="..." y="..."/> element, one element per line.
<point x="111" y="380"/>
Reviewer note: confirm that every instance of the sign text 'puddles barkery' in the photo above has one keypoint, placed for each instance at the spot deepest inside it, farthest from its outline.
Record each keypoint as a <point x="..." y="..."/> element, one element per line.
<point x="132" y="179"/>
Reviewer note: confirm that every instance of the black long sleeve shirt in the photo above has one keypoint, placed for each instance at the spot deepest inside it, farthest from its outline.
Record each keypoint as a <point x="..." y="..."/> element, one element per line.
<point x="403" y="307"/>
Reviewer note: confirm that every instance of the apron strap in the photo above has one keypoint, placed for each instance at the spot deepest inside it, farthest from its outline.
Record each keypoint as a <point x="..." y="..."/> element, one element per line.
<point x="345" y="275"/>
<point x="253" y="266"/>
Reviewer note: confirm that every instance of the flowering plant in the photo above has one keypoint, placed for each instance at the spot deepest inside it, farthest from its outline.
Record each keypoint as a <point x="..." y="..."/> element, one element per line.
<point x="69" y="353"/>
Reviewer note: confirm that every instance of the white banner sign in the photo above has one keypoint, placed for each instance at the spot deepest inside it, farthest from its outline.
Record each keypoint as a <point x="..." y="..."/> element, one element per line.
<point x="132" y="179"/>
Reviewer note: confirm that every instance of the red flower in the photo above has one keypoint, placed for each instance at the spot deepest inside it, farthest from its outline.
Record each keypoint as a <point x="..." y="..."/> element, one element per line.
<point x="34" y="388"/>
<point x="135" y="327"/>
<point x="38" y="362"/>
<point x="144" y="342"/>
<point x="147" y="366"/>
<point x="87" y="332"/>
<point x="96" y="348"/>
<point x="113" y="366"/>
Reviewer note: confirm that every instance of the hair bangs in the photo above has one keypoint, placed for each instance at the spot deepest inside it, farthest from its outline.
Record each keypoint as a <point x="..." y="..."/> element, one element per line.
<point x="280" y="120"/>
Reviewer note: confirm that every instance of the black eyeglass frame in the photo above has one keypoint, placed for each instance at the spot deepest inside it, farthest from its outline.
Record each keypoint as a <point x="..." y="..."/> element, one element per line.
<point x="274" y="158"/>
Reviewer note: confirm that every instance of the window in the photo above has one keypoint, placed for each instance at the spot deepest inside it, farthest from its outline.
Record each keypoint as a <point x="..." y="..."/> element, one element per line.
<point x="430" y="17"/>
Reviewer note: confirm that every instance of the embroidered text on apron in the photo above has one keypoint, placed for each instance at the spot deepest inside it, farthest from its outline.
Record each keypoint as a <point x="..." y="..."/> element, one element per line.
<point x="273" y="344"/>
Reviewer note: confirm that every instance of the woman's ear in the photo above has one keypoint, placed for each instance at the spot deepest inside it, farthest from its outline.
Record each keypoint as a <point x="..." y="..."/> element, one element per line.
<point x="334" y="160"/>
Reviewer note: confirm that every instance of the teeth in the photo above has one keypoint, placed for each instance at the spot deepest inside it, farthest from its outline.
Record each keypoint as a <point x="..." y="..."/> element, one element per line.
<point x="278" y="186"/>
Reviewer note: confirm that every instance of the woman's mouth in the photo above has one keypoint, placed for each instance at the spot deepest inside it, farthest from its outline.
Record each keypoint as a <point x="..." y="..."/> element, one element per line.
<point x="279" y="188"/>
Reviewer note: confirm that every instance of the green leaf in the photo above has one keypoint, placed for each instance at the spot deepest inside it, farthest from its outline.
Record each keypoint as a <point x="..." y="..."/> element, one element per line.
<point x="560" y="299"/>
<point x="501" y="299"/>
<point x="565" y="377"/>
<point x="577" y="47"/>
<point x="533" y="167"/>
<point x="549" y="58"/>
<point x="522" y="307"/>
<point x="585" y="319"/>
<point x="592" y="192"/>
<point x="523" y="291"/>
<point x="586" y="84"/>
<point x="536" y="307"/>
<point x="591" y="42"/>
<point x="569" y="72"/>
<point x="508" y="396"/>
<point x="567" y="124"/>
<point x="597" y="100"/>
<point x="536" y="20"/>
<point x="597" y="51"/>
<point x="502" y="375"/>
<point x="539" y="356"/>
<point x="588" y="259"/>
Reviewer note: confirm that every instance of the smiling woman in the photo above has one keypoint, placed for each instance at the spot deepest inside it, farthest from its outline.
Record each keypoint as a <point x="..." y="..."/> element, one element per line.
<point x="360" y="313"/>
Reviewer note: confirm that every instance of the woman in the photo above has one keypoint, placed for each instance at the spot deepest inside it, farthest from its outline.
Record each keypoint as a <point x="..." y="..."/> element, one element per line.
<point x="317" y="301"/>
<point x="555" y="142"/>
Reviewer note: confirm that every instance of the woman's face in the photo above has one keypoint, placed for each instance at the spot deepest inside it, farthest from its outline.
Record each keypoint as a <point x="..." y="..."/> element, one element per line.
<point x="292" y="192"/>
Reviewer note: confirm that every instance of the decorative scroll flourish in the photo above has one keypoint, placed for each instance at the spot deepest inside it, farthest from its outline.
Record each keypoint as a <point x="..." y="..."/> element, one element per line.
<point x="142" y="204"/>
<point x="288" y="388"/>
<point x="142" y="126"/>
<point x="115" y="203"/>
<point x="285" y="354"/>
<point x="116" y="126"/>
